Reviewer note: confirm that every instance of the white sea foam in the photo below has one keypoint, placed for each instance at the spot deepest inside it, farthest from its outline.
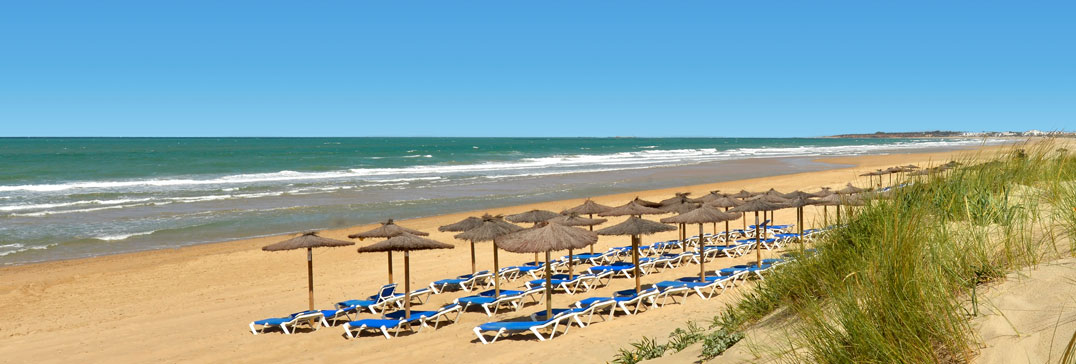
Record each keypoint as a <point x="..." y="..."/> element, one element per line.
<point x="19" y="248"/>
<point x="123" y="236"/>
<point x="55" y="212"/>
<point x="24" y="207"/>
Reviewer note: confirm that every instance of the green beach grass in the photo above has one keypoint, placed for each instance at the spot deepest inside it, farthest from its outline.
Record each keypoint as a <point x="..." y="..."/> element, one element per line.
<point x="897" y="283"/>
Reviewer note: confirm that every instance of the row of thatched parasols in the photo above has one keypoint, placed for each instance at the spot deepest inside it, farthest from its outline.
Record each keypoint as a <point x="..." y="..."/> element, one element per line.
<point x="555" y="232"/>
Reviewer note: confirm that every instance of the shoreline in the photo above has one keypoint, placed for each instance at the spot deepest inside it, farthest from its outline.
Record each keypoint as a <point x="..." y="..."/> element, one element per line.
<point x="193" y="303"/>
<point x="582" y="184"/>
<point x="763" y="165"/>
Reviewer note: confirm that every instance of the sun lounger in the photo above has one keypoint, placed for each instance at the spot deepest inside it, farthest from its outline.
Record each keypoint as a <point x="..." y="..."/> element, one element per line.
<point x="332" y="317"/>
<point x="583" y="310"/>
<point x="376" y="306"/>
<point x="753" y="270"/>
<point x="435" y="317"/>
<point x="628" y="301"/>
<point x="625" y="270"/>
<point x="666" y="293"/>
<point x="604" y="258"/>
<point x="709" y="288"/>
<point x="530" y="270"/>
<point x="535" y="327"/>
<point x="383" y="325"/>
<point x="491" y="304"/>
<point x="465" y="282"/>
<point x="312" y="319"/>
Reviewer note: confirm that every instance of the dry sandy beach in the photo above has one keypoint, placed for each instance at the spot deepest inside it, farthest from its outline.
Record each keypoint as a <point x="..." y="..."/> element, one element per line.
<point x="193" y="304"/>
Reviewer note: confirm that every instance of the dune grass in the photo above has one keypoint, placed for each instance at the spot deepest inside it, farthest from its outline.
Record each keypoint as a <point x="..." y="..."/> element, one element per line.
<point x="896" y="283"/>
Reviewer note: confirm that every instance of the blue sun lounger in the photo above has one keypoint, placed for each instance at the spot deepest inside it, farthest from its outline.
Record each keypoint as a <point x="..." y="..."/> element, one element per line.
<point x="486" y="301"/>
<point x="293" y="321"/>
<point x="534" y="327"/>
<point x="624" y="270"/>
<point x="384" y="300"/>
<point x="626" y="298"/>
<point x="426" y="317"/>
<point x="383" y="325"/>
<point x="584" y="309"/>
<point x="465" y="282"/>
<point x="705" y="290"/>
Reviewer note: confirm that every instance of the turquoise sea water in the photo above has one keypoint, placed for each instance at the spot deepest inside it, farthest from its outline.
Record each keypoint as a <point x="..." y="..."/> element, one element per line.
<point x="72" y="197"/>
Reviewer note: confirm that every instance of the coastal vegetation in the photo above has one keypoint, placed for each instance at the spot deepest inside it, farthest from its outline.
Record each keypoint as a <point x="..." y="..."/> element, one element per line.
<point x="897" y="282"/>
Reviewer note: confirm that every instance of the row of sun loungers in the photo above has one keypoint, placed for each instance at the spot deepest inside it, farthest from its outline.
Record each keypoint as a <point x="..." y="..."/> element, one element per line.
<point x="627" y="302"/>
<point x="604" y="266"/>
<point x="395" y="321"/>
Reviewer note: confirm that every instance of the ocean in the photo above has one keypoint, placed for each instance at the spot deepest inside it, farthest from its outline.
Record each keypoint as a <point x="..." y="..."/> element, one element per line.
<point x="65" y="198"/>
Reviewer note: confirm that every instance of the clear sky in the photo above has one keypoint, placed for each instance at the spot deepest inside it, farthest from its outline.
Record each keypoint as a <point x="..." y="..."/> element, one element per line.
<point x="541" y="68"/>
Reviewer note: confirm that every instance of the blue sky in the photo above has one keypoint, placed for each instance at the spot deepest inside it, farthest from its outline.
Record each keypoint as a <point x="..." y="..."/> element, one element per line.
<point x="510" y="68"/>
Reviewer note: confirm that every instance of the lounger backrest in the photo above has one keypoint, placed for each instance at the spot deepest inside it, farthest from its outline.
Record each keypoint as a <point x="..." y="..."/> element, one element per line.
<point x="386" y="291"/>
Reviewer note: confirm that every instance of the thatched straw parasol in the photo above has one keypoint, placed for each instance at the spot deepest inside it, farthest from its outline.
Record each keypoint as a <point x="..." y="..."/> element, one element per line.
<point x="798" y="194"/>
<point x="755" y="206"/>
<point x="870" y="176"/>
<point x="726" y="203"/>
<point x="712" y="196"/>
<point x="574" y="219"/>
<point x="849" y="189"/>
<point x="461" y="226"/>
<point x="546" y="238"/>
<point x="831" y="200"/>
<point x="534" y="217"/>
<point x="406" y="243"/>
<point x="679" y="205"/>
<point x="492" y="227"/>
<point x="635" y="226"/>
<point x="825" y="191"/>
<point x="773" y="192"/>
<point x="307" y="241"/>
<point x="633" y="208"/>
<point x="891" y="171"/>
<point x="387" y="229"/>
<point x="742" y="194"/>
<point x="590" y="208"/>
<point x="679" y="198"/>
<point x="701" y="216"/>
<point x="774" y="198"/>
<point x="646" y="203"/>
<point x="799" y="202"/>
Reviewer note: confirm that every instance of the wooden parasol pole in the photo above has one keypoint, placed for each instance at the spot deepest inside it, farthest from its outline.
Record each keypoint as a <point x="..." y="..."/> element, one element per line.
<point x="310" y="275"/>
<point x="473" y="269"/>
<point x="496" y="275"/>
<point x="635" y="259"/>
<point x="548" y="288"/>
<point x="702" y="256"/>
<point x="407" y="285"/>
<point x="390" y="268"/>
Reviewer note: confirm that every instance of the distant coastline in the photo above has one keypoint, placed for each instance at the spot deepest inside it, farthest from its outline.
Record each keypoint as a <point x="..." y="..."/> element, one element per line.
<point x="910" y="134"/>
<point x="952" y="134"/>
